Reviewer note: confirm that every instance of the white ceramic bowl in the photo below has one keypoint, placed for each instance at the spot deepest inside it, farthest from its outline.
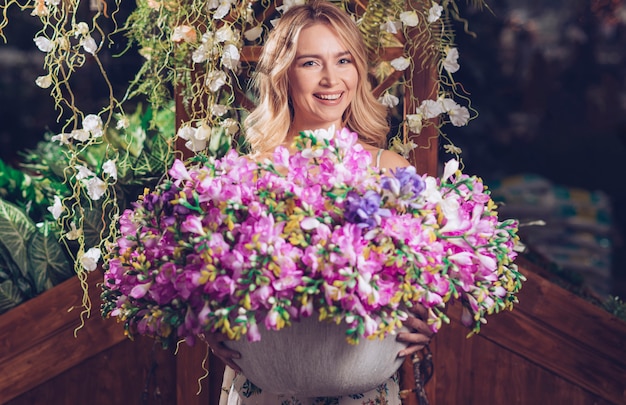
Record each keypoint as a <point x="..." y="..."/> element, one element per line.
<point x="313" y="359"/>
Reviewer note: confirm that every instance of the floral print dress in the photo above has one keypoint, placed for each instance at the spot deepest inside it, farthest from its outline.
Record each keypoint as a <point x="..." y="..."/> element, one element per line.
<point x="243" y="392"/>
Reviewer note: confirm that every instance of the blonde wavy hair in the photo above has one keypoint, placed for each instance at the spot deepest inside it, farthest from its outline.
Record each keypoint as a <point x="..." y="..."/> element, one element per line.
<point x="268" y="124"/>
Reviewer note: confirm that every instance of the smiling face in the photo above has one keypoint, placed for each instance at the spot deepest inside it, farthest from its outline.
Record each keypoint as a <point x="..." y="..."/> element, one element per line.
<point x="322" y="79"/>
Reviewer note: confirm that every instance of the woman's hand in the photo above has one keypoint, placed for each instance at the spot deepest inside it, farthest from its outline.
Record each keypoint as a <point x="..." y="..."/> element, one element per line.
<point x="420" y="334"/>
<point x="218" y="348"/>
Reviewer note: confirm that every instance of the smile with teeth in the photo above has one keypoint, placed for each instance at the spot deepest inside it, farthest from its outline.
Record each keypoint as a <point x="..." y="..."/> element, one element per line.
<point x="329" y="97"/>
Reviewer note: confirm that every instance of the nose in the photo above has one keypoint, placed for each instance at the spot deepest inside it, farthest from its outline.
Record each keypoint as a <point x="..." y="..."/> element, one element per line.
<point x="330" y="76"/>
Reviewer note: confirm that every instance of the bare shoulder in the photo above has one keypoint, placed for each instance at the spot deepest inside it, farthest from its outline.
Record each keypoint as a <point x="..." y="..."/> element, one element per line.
<point x="392" y="160"/>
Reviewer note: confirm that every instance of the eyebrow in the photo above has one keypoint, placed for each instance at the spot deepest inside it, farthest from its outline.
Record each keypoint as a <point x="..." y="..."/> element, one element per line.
<point x="337" y="55"/>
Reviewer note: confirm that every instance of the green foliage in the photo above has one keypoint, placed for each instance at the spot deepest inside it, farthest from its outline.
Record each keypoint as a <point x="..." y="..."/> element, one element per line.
<point x="31" y="258"/>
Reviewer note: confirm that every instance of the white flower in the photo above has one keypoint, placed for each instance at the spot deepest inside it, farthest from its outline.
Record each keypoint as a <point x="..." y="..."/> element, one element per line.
<point x="40" y="10"/>
<point x="96" y="188"/>
<point x="200" y="55"/>
<point x="83" y="172"/>
<point x="109" y="168"/>
<point x="222" y="10"/>
<point x="81" y="29"/>
<point x="80" y="135"/>
<point x="184" y="33"/>
<point x="430" y="108"/>
<point x="231" y="126"/>
<point x="56" y="208"/>
<point x="389" y="100"/>
<point x="451" y="167"/>
<point x="89" y="45"/>
<point x="44" y="44"/>
<point x="448" y="104"/>
<point x="122" y="123"/>
<point x="62" y="138"/>
<point x="93" y="124"/>
<point x="391" y="27"/>
<point x="414" y="121"/>
<point x="409" y="18"/>
<point x="287" y="4"/>
<point x="73" y="233"/>
<point x="253" y="33"/>
<point x="225" y="34"/>
<point x="435" y="12"/>
<point x="459" y="116"/>
<point x="230" y="57"/>
<point x="400" y="63"/>
<point x="44" y="81"/>
<point x="215" y="80"/>
<point x="189" y="134"/>
<point x="90" y="258"/>
<point x="451" y="63"/>
<point x="218" y="110"/>
<point x="403" y="148"/>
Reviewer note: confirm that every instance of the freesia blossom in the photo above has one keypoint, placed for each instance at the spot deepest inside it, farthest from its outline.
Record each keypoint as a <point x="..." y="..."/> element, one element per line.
<point x="194" y="142"/>
<point x="230" y="57"/>
<point x="431" y="108"/>
<point x="110" y="168"/>
<point x="400" y="63"/>
<point x="44" y="44"/>
<point x="184" y="33"/>
<point x="81" y="29"/>
<point x="232" y="245"/>
<point x="409" y="18"/>
<point x="389" y="100"/>
<point x="96" y="188"/>
<point x="83" y="172"/>
<point x="434" y="13"/>
<point x="391" y="26"/>
<point x="253" y="33"/>
<point x="93" y="124"/>
<point x="89" y="44"/>
<point x="414" y="121"/>
<point x="89" y="260"/>
<point x="44" y="81"/>
<point x="215" y="80"/>
<point x="57" y="208"/>
<point x="451" y="62"/>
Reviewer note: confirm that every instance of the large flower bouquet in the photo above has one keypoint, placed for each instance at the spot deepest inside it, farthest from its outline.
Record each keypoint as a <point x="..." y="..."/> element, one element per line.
<point x="232" y="243"/>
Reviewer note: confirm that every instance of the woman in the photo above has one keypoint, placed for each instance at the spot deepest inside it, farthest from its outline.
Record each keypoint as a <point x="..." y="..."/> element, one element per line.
<point x="313" y="74"/>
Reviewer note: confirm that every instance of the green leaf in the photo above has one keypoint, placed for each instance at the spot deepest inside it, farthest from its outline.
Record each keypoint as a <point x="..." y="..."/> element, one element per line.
<point x="48" y="263"/>
<point x="16" y="228"/>
<point x="9" y="296"/>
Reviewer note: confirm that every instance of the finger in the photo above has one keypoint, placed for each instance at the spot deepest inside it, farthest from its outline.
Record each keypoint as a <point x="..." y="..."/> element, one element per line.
<point x="410" y="350"/>
<point x="419" y="311"/>
<point x="417" y="325"/>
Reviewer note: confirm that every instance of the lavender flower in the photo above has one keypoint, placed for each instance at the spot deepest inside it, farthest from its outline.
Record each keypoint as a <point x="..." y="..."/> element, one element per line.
<point x="364" y="210"/>
<point x="405" y="185"/>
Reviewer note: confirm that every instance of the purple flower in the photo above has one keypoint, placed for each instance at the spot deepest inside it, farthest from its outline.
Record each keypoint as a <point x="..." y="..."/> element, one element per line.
<point x="364" y="210"/>
<point x="405" y="184"/>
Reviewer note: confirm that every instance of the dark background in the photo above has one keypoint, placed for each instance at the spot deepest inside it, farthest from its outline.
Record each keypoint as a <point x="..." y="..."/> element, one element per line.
<point x="548" y="79"/>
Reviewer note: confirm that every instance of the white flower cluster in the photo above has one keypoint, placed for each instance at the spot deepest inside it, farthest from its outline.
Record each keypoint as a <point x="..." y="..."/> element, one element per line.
<point x="61" y="43"/>
<point x="92" y="128"/>
<point x="428" y="109"/>
<point x="198" y="137"/>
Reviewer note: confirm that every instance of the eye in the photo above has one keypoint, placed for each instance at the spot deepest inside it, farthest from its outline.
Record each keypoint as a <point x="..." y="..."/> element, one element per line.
<point x="344" y="61"/>
<point x="309" y="63"/>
